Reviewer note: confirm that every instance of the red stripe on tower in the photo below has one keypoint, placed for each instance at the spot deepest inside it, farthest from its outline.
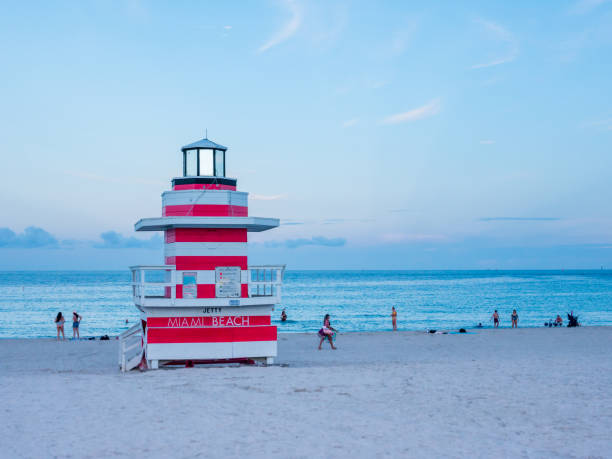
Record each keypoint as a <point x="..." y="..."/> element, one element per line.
<point x="203" y="263"/>
<point x="211" y="335"/>
<point x="206" y="235"/>
<point x="208" y="291"/>
<point x="204" y="186"/>
<point x="205" y="210"/>
<point x="209" y="321"/>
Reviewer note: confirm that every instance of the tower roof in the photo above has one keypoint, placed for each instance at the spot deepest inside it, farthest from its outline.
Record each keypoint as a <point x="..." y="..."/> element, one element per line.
<point x="204" y="143"/>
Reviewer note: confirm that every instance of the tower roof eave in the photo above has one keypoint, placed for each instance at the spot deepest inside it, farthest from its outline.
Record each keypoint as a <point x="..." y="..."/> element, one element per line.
<point x="204" y="143"/>
<point x="251" y="224"/>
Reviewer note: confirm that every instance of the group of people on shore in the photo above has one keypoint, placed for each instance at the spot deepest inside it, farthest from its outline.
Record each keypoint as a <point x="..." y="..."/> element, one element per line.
<point x="59" y="324"/>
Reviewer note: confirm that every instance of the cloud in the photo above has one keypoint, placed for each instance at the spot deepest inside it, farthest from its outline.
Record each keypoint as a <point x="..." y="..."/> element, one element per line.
<point x="586" y="6"/>
<point x="350" y="123"/>
<point x="603" y="124"/>
<point x="401" y="38"/>
<point x="107" y="179"/>
<point x="227" y="27"/>
<point x="431" y="108"/>
<point x="291" y="223"/>
<point x="314" y="241"/>
<point x="264" y="197"/>
<point x="519" y="219"/>
<point x="500" y="34"/>
<point x="114" y="240"/>
<point x="405" y="237"/>
<point x="32" y="237"/>
<point x="287" y="30"/>
<point x="487" y="142"/>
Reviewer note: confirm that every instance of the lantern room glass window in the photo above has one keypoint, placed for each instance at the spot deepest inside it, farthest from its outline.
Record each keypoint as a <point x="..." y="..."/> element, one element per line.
<point x="219" y="163"/>
<point x="203" y="162"/>
<point x="206" y="162"/>
<point x="190" y="167"/>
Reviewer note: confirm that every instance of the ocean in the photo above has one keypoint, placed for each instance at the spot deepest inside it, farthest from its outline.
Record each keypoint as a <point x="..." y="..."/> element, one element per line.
<point x="356" y="300"/>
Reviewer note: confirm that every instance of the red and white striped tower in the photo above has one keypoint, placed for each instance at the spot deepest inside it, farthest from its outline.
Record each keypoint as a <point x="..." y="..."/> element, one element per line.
<point x="213" y="305"/>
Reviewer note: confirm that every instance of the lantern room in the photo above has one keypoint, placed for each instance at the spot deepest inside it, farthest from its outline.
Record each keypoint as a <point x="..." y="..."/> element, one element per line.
<point x="204" y="158"/>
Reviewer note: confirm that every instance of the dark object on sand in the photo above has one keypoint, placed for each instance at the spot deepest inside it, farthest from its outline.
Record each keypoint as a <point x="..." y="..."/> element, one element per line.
<point x="104" y="338"/>
<point x="572" y="321"/>
<point x="479" y="325"/>
<point x="462" y="330"/>
<point x="432" y="331"/>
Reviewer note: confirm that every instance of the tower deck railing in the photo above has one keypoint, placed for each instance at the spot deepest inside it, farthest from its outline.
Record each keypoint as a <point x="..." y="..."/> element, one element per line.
<point x="155" y="286"/>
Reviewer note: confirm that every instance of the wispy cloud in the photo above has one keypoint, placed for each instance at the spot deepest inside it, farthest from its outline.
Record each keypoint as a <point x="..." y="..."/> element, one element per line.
<point x="410" y="237"/>
<point x="431" y="108"/>
<point x="227" y="27"/>
<point x="291" y="223"/>
<point x="350" y="123"/>
<point x="499" y="33"/>
<point x="519" y="219"/>
<point x="586" y="6"/>
<point x="114" y="240"/>
<point x="266" y="197"/>
<point x="288" y="29"/>
<point x="32" y="237"/>
<point x="487" y="142"/>
<point x="313" y="241"/>
<point x="602" y="124"/>
<point x="108" y="179"/>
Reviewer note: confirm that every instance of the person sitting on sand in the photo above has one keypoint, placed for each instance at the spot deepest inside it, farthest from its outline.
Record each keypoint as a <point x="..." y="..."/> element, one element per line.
<point x="495" y="318"/>
<point x="558" y="321"/>
<point x="76" y="320"/>
<point x="59" y="323"/>
<point x="283" y="316"/>
<point x="327" y="332"/>
<point x="514" y="318"/>
<point x="394" y="318"/>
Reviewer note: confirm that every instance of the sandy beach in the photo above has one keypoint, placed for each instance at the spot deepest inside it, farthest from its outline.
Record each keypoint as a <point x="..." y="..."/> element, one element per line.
<point x="493" y="393"/>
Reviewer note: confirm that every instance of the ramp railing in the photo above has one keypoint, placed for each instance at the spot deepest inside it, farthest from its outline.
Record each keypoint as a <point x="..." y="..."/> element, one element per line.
<point x="130" y="348"/>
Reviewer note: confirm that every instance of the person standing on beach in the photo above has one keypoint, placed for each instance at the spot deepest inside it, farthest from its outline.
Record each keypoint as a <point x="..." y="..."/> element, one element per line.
<point x="495" y="318"/>
<point x="59" y="323"/>
<point x="76" y="320"/>
<point x="394" y="318"/>
<point x="514" y="318"/>
<point x="327" y="332"/>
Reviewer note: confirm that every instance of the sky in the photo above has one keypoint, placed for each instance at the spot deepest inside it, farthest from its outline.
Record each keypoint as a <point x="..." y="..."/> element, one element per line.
<point x="383" y="135"/>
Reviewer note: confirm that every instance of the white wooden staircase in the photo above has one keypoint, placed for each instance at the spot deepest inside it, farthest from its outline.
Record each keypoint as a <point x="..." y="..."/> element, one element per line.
<point x="130" y="348"/>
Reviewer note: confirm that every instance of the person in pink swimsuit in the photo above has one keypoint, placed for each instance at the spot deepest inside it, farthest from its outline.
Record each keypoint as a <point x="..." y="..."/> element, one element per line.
<point x="327" y="332"/>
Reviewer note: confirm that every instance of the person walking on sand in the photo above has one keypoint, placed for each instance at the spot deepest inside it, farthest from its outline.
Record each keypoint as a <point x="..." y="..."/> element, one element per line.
<point x="394" y="318"/>
<point x="514" y="318"/>
<point x="76" y="320"/>
<point x="327" y="332"/>
<point x="495" y="318"/>
<point x="59" y="324"/>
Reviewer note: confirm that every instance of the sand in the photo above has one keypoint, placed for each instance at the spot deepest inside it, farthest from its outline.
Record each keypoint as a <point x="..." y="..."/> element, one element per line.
<point x="494" y="393"/>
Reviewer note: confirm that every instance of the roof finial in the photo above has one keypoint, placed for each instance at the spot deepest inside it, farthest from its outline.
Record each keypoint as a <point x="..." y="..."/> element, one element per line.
<point x="206" y="133"/>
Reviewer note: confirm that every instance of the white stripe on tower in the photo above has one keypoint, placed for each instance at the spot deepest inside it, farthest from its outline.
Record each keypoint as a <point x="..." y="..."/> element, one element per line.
<point x="208" y="197"/>
<point x="204" y="249"/>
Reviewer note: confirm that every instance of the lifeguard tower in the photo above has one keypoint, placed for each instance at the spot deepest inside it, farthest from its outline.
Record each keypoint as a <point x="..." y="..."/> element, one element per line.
<point x="205" y="304"/>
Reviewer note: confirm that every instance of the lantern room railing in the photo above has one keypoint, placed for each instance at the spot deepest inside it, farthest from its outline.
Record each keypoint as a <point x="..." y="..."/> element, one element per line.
<point x="156" y="286"/>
